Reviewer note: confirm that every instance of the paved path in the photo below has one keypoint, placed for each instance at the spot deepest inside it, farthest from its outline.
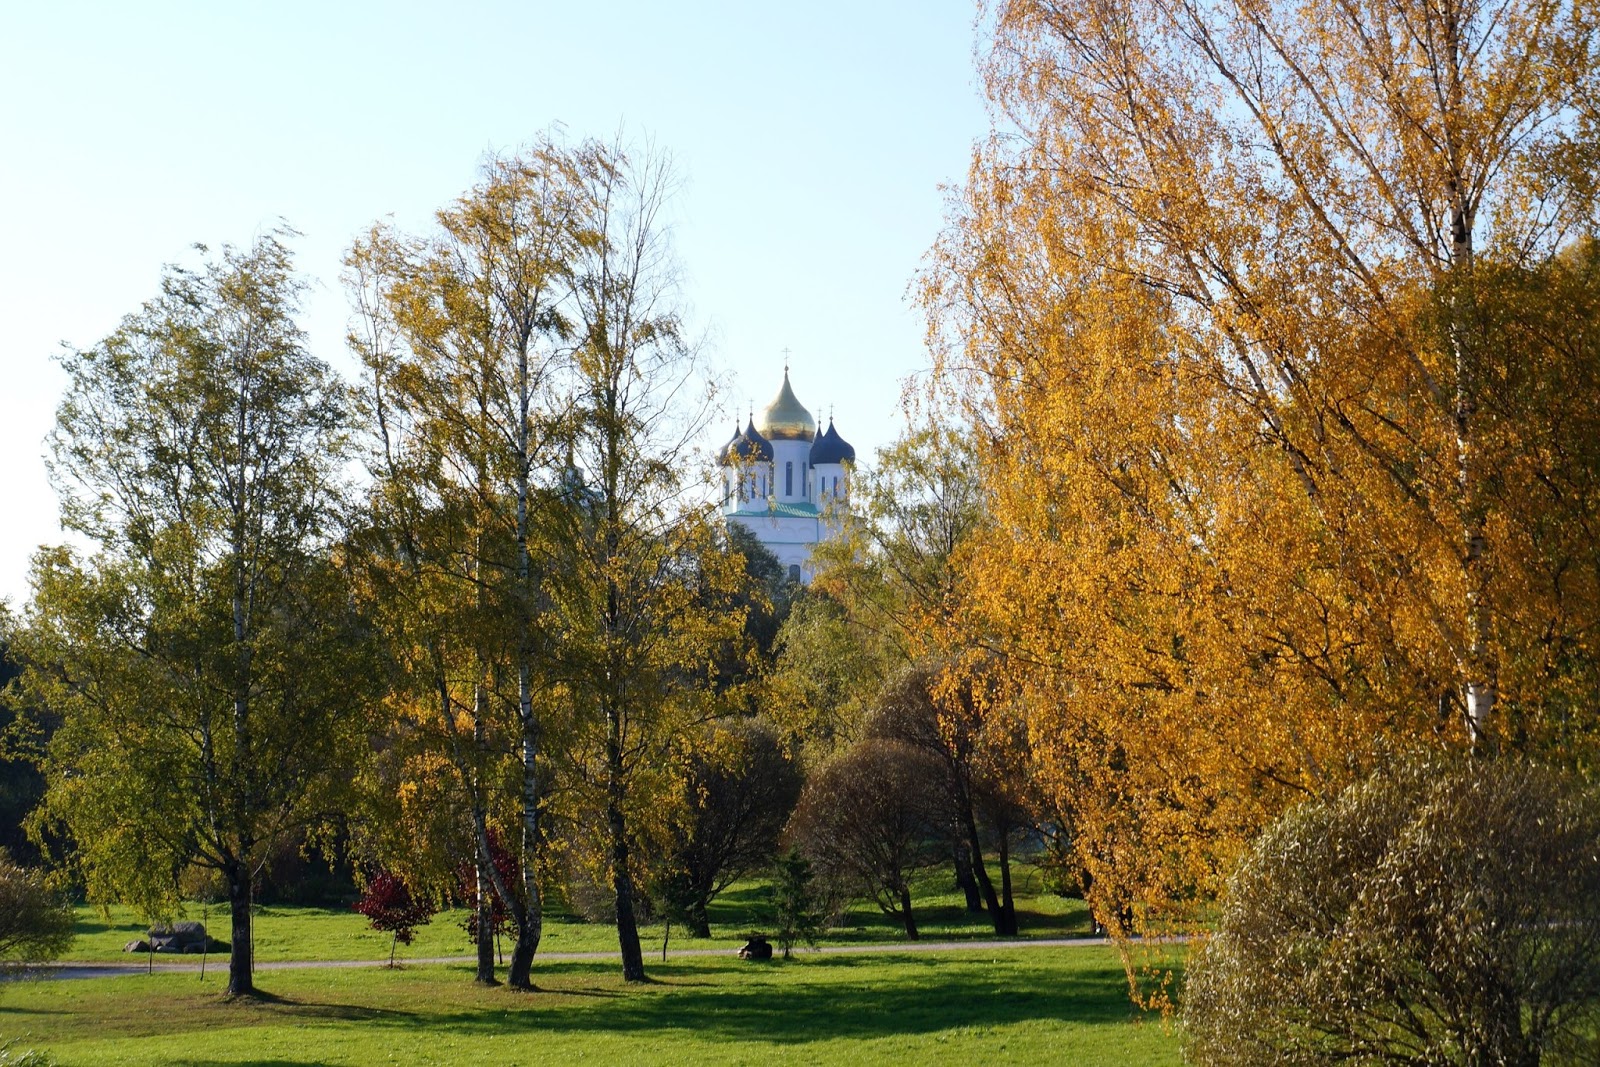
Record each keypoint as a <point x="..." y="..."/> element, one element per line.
<point x="220" y="963"/>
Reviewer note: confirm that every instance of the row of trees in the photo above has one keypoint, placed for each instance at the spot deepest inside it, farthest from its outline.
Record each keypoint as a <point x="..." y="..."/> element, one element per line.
<point x="549" y="585"/>
<point x="1274" y="334"/>
<point x="524" y="584"/>
<point x="472" y="622"/>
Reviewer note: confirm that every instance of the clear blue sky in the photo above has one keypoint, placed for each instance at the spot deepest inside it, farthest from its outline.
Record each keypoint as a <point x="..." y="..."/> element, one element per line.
<point x="813" y="139"/>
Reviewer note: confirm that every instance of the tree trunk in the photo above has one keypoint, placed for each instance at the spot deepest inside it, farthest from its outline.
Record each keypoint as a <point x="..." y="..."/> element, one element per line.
<point x="1479" y="685"/>
<point x="698" y="919"/>
<point x="530" y="911"/>
<point x="905" y="913"/>
<point x="519" y="975"/>
<point x="241" y="964"/>
<point x="486" y="868"/>
<point x="485" y="975"/>
<point x="965" y="879"/>
<point x="531" y="928"/>
<point x="621" y="875"/>
<point x="241" y="961"/>
<point x="1006" y="923"/>
<point x="980" y="873"/>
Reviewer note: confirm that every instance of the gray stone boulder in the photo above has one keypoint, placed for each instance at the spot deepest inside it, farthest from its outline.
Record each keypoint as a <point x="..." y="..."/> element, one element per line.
<point x="136" y="946"/>
<point x="179" y="937"/>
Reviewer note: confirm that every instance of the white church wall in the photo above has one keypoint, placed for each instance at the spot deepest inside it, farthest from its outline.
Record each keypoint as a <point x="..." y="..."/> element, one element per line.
<point x="789" y="470"/>
<point x="830" y="482"/>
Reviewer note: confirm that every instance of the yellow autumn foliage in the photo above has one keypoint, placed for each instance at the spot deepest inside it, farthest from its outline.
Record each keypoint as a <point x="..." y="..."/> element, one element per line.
<point x="1278" y="323"/>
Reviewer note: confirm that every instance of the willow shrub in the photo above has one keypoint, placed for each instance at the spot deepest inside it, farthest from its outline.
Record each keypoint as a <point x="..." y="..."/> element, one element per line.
<point x="35" y="922"/>
<point x="1442" y="911"/>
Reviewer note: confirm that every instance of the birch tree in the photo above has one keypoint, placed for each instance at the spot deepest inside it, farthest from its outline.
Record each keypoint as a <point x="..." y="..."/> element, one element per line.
<point x="206" y="659"/>
<point x="466" y="347"/>
<point x="1262" y="310"/>
<point x="649" y="600"/>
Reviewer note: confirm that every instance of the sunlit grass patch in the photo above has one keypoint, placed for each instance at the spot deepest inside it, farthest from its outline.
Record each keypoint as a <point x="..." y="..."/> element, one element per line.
<point x="1025" y="1005"/>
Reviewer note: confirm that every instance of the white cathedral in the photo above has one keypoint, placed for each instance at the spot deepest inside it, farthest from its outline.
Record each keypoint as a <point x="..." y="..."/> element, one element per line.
<point x="784" y="481"/>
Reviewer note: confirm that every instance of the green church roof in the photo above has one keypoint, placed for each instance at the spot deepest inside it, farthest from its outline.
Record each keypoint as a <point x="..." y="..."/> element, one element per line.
<point x="780" y="509"/>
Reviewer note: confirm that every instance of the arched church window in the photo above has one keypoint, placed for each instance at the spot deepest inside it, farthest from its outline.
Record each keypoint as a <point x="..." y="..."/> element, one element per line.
<point x="788" y="478"/>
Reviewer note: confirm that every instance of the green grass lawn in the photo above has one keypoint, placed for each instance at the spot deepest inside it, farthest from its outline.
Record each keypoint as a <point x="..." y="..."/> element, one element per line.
<point x="1046" y="1005"/>
<point x="293" y="933"/>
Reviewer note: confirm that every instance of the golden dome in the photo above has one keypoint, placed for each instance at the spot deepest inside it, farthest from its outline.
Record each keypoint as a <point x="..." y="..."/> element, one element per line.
<point x="785" y="419"/>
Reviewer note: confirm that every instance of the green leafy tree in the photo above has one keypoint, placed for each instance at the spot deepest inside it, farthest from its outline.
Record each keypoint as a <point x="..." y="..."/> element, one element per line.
<point x="886" y="593"/>
<point x="738" y="788"/>
<point x="911" y="513"/>
<point x="207" y="663"/>
<point x="22" y="737"/>
<point x="769" y="598"/>
<point x="796" y="914"/>
<point x="824" y="676"/>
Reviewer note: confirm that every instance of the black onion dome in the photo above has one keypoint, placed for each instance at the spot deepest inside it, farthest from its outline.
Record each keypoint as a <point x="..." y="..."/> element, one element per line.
<point x="831" y="448"/>
<point x="734" y="449"/>
<point x="762" y="446"/>
<point x="747" y="444"/>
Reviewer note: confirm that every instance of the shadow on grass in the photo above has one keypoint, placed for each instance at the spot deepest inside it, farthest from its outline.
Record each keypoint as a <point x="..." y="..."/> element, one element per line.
<point x="825" y="1002"/>
<point x="821" y="998"/>
<point x="309" y="1010"/>
<point x="88" y="927"/>
<point x="599" y="994"/>
<point x="6" y="1009"/>
<point x="796" y="1014"/>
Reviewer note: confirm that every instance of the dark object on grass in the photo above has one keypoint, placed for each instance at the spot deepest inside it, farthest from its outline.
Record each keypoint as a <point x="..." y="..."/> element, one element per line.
<point x="757" y="948"/>
<point x="185" y="938"/>
<point x="1446" y="910"/>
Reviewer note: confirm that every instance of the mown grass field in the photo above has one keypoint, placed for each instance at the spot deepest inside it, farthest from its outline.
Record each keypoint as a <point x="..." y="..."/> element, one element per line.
<point x="294" y="933"/>
<point x="1015" y="1006"/>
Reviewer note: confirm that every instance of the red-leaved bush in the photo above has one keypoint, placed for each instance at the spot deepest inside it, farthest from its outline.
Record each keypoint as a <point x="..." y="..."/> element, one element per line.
<point x="389" y="906"/>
